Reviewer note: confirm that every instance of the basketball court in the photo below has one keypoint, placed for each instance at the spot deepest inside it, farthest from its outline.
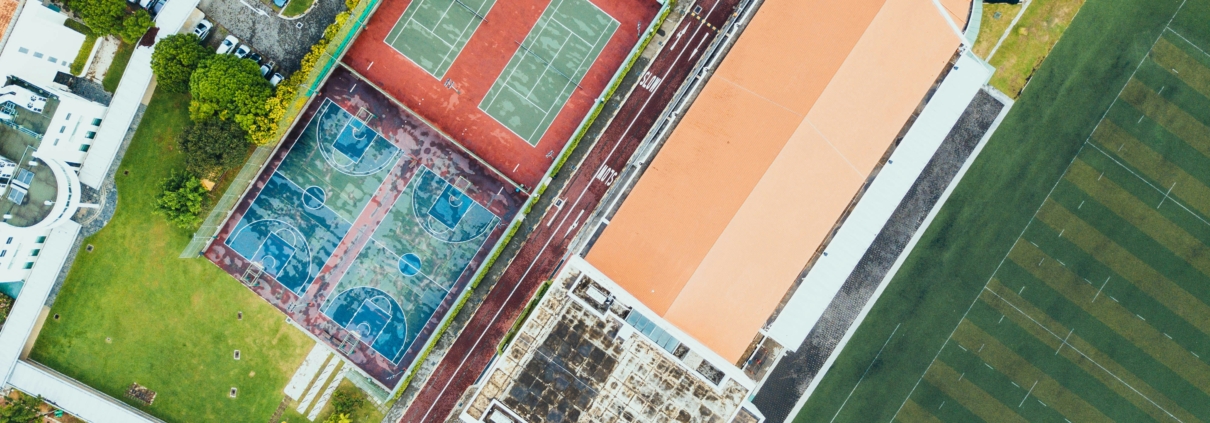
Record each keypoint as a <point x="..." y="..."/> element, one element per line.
<point x="511" y="82"/>
<point x="365" y="227"/>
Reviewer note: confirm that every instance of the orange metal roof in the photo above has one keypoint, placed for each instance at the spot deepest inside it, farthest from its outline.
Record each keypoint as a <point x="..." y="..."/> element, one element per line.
<point x="8" y="14"/>
<point x="770" y="154"/>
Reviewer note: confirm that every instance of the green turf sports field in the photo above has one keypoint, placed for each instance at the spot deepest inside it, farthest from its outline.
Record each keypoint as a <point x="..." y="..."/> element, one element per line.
<point x="131" y="311"/>
<point x="548" y="66"/>
<point x="431" y="33"/>
<point x="1064" y="279"/>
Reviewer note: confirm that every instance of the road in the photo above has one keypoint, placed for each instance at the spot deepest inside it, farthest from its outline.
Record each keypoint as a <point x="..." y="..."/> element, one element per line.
<point x="547" y="245"/>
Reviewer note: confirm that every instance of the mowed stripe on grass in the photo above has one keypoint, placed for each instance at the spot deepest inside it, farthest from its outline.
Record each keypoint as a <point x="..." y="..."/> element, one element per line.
<point x="1110" y="313"/>
<point x="1081" y="353"/>
<point x="969" y="395"/>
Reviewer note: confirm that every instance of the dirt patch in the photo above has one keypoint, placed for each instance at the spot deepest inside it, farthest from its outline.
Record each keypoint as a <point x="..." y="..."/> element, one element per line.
<point x="103" y="58"/>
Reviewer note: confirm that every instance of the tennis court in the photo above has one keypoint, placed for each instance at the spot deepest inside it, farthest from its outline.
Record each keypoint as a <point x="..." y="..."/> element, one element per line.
<point x="431" y="33"/>
<point x="548" y="66"/>
<point x="366" y="227"/>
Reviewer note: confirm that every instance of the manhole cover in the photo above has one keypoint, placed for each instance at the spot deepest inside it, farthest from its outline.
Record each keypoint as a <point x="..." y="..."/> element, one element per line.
<point x="298" y="25"/>
<point x="997" y="15"/>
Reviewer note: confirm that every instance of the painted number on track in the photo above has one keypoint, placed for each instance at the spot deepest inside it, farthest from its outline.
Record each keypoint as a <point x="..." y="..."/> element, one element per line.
<point x="649" y="82"/>
<point x="606" y="175"/>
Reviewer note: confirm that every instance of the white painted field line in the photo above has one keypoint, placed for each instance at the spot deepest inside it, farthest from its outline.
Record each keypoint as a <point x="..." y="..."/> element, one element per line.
<point x="1035" y="215"/>
<point x="863" y="374"/>
<point x="1031" y="390"/>
<point x="1082" y="354"/>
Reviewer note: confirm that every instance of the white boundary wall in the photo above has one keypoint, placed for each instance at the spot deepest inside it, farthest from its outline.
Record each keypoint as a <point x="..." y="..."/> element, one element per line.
<point x="872" y="212"/>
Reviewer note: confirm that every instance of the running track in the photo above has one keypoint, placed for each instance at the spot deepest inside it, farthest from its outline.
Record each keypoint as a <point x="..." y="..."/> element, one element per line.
<point x="547" y="245"/>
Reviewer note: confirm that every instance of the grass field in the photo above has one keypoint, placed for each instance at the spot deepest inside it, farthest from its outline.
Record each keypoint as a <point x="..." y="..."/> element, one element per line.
<point x="996" y="19"/>
<point x="131" y="311"/>
<point x="1067" y="277"/>
<point x="1028" y="43"/>
<point x="114" y="74"/>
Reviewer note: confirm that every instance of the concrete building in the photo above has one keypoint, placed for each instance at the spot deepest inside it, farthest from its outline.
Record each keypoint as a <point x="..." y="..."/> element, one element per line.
<point x="54" y="144"/>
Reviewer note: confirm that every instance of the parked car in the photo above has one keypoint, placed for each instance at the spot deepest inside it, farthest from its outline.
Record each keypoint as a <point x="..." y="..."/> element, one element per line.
<point x="202" y="29"/>
<point x="157" y="7"/>
<point x="276" y="79"/>
<point x="242" y="51"/>
<point x="228" y="44"/>
<point x="255" y="57"/>
<point x="264" y="70"/>
<point x="146" y="4"/>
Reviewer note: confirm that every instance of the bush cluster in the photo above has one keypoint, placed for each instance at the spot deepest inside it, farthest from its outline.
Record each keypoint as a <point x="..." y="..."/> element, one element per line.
<point x="112" y="17"/>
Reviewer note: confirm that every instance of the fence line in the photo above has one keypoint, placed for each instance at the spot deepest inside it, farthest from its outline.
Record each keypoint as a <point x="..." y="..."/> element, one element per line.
<point x="256" y="161"/>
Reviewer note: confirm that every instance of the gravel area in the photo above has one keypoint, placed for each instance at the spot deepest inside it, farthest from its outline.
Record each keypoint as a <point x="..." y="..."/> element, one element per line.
<point x="795" y="371"/>
<point x="278" y="39"/>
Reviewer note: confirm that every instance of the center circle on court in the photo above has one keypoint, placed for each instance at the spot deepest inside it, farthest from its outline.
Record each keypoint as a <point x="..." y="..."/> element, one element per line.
<point x="409" y="264"/>
<point x="314" y="197"/>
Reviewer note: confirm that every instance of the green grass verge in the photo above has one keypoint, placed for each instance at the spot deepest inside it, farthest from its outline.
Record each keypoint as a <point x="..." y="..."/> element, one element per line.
<point x="114" y="75"/>
<point x="992" y="27"/>
<point x="529" y="308"/>
<point x="296" y="7"/>
<point x="987" y="211"/>
<point x="90" y="40"/>
<point x="133" y="312"/>
<point x="1030" y="41"/>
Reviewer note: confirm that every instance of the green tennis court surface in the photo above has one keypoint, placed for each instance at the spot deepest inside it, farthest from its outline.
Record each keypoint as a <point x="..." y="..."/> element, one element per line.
<point x="431" y="33"/>
<point x="547" y="67"/>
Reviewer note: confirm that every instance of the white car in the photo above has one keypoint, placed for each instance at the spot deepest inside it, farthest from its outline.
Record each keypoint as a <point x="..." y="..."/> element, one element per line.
<point x="202" y="29"/>
<point x="276" y="79"/>
<point x="242" y="51"/>
<point x="228" y="44"/>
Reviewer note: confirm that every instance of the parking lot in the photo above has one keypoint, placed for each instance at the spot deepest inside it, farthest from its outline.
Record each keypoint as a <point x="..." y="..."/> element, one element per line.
<point x="275" y="38"/>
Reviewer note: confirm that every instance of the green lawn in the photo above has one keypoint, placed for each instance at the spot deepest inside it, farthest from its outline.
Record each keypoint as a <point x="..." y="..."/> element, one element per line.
<point x="131" y="311"/>
<point x="1030" y="41"/>
<point x="114" y="75"/>
<point x="296" y="7"/>
<point x="972" y="234"/>
<point x="992" y="27"/>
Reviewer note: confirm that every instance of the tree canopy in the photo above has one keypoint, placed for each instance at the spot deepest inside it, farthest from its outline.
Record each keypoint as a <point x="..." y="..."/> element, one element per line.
<point x="103" y="16"/>
<point x="21" y="410"/>
<point x="181" y="200"/>
<point x="228" y="88"/>
<point x="135" y="25"/>
<point x="212" y="146"/>
<point x="174" y="60"/>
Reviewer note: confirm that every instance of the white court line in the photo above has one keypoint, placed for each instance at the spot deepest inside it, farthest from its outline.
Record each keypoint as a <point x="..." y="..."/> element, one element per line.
<point x="545" y="245"/>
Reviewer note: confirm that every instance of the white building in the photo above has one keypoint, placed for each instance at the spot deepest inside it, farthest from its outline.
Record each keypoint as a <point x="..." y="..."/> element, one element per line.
<point x="52" y="143"/>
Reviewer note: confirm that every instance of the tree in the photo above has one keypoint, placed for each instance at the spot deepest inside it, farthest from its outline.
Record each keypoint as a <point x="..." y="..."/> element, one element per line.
<point x="21" y="410"/>
<point x="135" y="25"/>
<point x="103" y="16"/>
<point x="174" y="60"/>
<point x="181" y="200"/>
<point x="228" y="88"/>
<point x="212" y="146"/>
<point x="339" y="418"/>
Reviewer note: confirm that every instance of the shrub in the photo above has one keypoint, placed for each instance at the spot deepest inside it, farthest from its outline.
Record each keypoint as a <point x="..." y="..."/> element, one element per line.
<point x="6" y="306"/>
<point x="103" y="16"/>
<point x="181" y="200"/>
<point x="228" y="88"/>
<point x="134" y="26"/>
<point x="24" y="409"/>
<point x="174" y="60"/>
<point x="213" y="146"/>
<point x="347" y="401"/>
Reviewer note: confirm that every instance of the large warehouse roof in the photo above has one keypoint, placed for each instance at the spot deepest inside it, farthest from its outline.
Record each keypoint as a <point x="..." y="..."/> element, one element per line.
<point x="768" y="157"/>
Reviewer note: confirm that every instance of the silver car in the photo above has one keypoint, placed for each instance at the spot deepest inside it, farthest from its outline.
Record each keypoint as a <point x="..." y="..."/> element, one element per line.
<point x="242" y="51"/>
<point x="202" y="29"/>
<point x="228" y="44"/>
